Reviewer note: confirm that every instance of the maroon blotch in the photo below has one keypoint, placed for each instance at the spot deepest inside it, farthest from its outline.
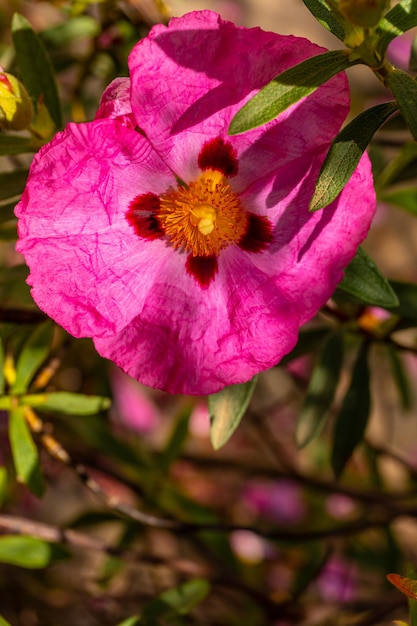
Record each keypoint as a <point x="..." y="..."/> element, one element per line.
<point x="202" y="268"/>
<point x="258" y="233"/>
<point x="142" y="214"/>
<point x="220" y="155"/>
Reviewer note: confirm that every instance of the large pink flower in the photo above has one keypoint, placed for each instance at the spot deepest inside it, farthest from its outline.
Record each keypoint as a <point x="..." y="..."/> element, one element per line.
<point x="187" y="255"/>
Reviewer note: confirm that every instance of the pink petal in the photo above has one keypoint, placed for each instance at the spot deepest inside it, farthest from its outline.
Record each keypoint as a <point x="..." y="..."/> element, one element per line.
<point x="89" y="271"/>
<point x="189" y="340"/>
<point x="190" y="78"/>
<point x="115" y="102"/>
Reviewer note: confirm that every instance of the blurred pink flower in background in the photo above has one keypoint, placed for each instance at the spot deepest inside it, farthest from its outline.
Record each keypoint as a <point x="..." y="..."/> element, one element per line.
<point x="132" y="405"/>
<point x="190" y="256"/>
<point x="337" y="581"/>
<point x="281" y="501"/>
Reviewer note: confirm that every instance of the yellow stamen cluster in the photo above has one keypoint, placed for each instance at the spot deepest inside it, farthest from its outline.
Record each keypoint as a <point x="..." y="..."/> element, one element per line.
<point x="204" y="217"/>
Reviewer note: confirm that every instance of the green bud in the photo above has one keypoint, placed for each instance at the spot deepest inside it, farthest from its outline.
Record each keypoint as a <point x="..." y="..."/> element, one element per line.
<point x="365" y="13"/>
<point x="16" y="110"/>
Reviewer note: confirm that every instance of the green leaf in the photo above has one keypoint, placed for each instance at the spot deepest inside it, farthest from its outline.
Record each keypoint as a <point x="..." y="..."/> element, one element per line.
<point x="28" y="552"/>
<point x="130" y="621"/>
<point x="175" y="442"/>
<point x="400" y="377"/>
<point x="403" y="198"/>
<point x="2" y="381"/>
<point x="33" y="354"/>
<point x="402" y="166"/>
<point x="67" y="402"/>
<point x="13" y="144"/>
<point x="404" y="89"/>
<point x="35" y="67"/>
<point x="3" y="622"/>
<point x="407" y="296"/>
<point x="345" y="152"/>
<point x="12" y="183"/>
<point x="353" y="415"/>
<point x="226" y="409"/>
<point x="322" y="13"/>
<point x="365" y="283"/>
<point x="177" y="601"/>
<point x="3" y="485"/>
<point x="399" y="19"/>
<point x="25" y="452"/>
<point x="321" y="390"/>
<point x="74" y="29"/>
<point x="289" y="87"/>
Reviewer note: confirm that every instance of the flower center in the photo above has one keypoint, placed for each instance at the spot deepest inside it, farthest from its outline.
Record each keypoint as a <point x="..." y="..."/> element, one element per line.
<point x="204" y="217"/>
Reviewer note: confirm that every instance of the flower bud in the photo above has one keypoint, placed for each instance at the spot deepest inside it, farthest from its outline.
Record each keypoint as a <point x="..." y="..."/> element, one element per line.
<point x="16" y="110"/>
<point x="365" y="13"/>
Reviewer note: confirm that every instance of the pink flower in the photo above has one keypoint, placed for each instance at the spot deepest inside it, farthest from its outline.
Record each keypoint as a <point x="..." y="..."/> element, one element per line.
<point x="187" y="255"/>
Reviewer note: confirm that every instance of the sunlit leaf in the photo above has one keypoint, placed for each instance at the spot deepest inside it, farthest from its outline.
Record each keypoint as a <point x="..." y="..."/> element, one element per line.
<point x="33" y="354"/>
<point x="364" y="281"/>
<point x="323" y="383"/>
<point x="3" y="622"/>
<point x="67" y="402"/>
<point x="25" y="453"/>
<point x="226" y="409"/>
<point x="288" y="88"/>
<point x="35" y="67"/>
<point x="404" y="89"/>
<point x="28" y="552"/>
<point x="353" y="416"/>
<point x="345" y="153"/>
<point x="399" y="19"/>
<point x="322" y="13"/>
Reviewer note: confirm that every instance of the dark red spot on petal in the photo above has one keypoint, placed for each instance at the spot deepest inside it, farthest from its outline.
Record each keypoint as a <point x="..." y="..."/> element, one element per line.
<point x="142" y="214"/>
<point x="220" y="155"/>
<point x="202" y="268"/>
<point x="258" y="233"/>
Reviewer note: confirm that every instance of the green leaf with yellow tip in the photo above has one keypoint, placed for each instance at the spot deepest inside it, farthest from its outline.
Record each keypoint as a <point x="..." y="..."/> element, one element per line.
<point x="32" y="355"/>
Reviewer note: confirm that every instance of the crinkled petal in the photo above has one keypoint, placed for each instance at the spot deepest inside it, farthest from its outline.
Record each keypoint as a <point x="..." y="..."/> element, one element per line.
<point x="190" y="78"/>
<point x="115" y="102"/>
<point x="189" y="340"/>
<point x="311" y="250"/>
<point x="88" y="269"/>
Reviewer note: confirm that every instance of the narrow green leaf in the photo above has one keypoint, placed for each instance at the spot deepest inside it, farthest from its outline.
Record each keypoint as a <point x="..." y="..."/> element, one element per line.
<point x="289" y="87"/>
<point x="412" y="64"/>
<point x="345" y="152"/>
<point x="400" y="377"/>
<point x="12" y="183"/>
<point x="3" y="486"/>
<point x="25" y="452"/>
<point x="35" y="67"/>
<point x="403" y="198"/>
<point x="364" y="282"/>
<point x="177" y="601"/>
<point x="13" y="144"/>
<point x="130" y="621"/>
<point x="353" y="415"/>
<point x="175" y="442"/>
<point x="226" y="409"/>
<point x="67" y="402"/>
<point x="2" y="381"/>
<point x="33" y="354"/>
<point x="28" y="552"/>
<point x="3" y="622"/>
<point x="321" y="390"/>
<point x="402" y="166"/>
<point x="322" y="13"/>
<point x="399" y="19"/>
<point x="404" y="89"/>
